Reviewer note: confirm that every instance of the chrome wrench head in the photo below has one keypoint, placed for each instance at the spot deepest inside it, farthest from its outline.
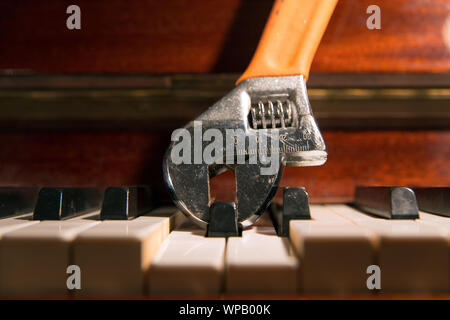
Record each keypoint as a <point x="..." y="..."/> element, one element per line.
<point x="259" y="127"/>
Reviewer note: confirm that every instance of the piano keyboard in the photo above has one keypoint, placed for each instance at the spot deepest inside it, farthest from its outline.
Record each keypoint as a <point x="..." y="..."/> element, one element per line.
<point x="161" y="254"/>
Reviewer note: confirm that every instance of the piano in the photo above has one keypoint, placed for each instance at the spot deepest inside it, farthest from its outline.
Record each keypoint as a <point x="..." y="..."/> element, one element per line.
<point x="86" y="116"/>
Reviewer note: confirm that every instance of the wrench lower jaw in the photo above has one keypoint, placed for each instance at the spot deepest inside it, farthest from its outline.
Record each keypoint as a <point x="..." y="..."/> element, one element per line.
<point x="306" y="159"/>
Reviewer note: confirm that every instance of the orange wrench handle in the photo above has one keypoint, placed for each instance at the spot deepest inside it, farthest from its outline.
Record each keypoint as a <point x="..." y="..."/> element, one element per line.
<point x="290" y="38"/>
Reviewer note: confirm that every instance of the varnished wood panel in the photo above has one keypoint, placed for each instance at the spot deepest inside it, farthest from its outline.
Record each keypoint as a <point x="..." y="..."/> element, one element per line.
<point x="373" y="158"/>
<point x="127" y="158"/>
<point x="179" y="36"/>
<point x="147" y="101"/>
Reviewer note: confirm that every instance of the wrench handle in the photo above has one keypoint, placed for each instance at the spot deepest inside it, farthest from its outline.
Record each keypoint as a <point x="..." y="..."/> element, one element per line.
<point x="290" y="38"/>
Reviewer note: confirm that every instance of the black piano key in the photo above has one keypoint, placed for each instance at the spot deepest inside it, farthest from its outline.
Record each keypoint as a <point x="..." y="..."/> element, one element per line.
<point x="63" y="203"/>
<point x="387" y="202"/>
<point x="223" y="220"/>
<point x="123" y="203"/>
<point x="434" y="200"/>
<point x="295" y="206"/>
<point x="17" y="200"/>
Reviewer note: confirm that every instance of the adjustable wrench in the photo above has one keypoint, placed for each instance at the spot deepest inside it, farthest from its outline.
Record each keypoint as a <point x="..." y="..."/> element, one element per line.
<point x="267" y="116"/>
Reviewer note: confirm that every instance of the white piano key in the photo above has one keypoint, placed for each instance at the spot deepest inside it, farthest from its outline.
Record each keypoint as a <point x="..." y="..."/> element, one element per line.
<point x="413" y="257"/>
<point x="434" y="219"/>
<point x="322" y="214"/>
<point x="441" y="222"/>
<point x="14" y="223"/>
<point x="260" y="262"/>
<point x="334" y="253"/>
<point x="188" y="264"/>
<point x="34" y="259"/>
<point x="115" y="255"/>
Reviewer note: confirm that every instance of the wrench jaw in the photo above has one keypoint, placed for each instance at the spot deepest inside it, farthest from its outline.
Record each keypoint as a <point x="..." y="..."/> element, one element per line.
<point x="303" y="146"/>
<point x="274" y="110"/>
<point x="254" y="191"/>
<point x="190" y="189"/>
<point x="188" y="186"/>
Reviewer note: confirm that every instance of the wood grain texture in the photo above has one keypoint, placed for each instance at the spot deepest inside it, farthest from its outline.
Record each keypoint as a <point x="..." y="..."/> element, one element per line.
<point x="64" y="158"/>
<point x="179" y="36"/>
